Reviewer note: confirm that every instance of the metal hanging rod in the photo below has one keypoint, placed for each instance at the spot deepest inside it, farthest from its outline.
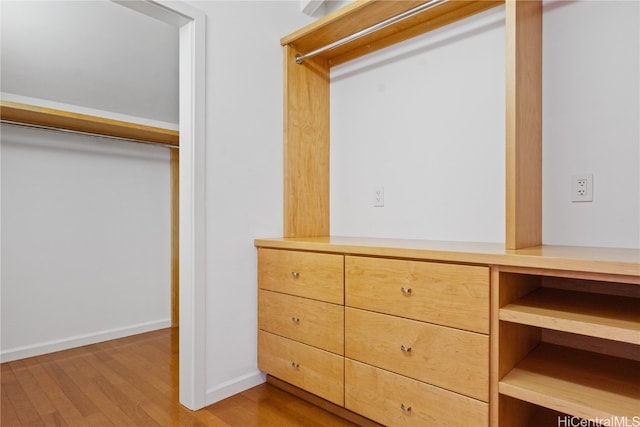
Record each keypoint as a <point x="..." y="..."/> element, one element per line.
<point x="372" y="29"/>
<point x="78" y="132"/>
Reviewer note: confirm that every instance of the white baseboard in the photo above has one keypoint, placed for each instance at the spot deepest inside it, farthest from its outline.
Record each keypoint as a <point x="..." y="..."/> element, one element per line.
<point x="234" y="386"/>
<point x="81" y="340"/>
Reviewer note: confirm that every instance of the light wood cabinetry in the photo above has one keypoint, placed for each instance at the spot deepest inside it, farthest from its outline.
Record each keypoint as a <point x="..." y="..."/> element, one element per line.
<point x="317" y="371"/>
<point x="309" y="275"/>
<point x="445" y="294"/>
<point x="562" y="338"/>
<point x="419" y="329"/>
<point x="397" y="400"/>
<point x="513" y="334"/>
<point x="567" y="345"/>
<point x="301" y="320"/>
<point x="449" y="358"/>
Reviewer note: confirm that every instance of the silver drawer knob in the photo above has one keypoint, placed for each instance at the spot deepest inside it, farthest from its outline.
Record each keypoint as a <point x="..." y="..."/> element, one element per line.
<point x="295" y="365"/>
<point x="405" y="349"/>
<point x="405" y="409"/>
<point x="295" y="274"/>
<point x="295" y="320"/>
<point x="406" y="291"/>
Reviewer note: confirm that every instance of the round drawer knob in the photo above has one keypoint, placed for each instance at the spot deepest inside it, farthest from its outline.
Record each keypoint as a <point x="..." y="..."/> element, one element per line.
<point x="406" y="291"/>
<point x="295" y="274"/>
<point x="405" y="349"/>
<point x="295" y="365"/>
<point x="295" y="320"/>
<point x="406" y="409"/>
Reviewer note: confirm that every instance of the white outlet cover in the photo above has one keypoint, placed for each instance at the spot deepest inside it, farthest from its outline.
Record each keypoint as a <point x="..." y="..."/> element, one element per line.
<point x="378" y="197"/>
<point x="582" y="187"/>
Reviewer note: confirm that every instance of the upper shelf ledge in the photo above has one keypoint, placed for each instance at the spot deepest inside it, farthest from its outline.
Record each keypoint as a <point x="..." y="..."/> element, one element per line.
<point x="59" y="119"/>
<point x="362" y="14"/>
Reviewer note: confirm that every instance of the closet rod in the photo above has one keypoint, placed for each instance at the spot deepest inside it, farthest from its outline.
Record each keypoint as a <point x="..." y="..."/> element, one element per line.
<point x="372" y="29"/>
<point x="79" y="132"/>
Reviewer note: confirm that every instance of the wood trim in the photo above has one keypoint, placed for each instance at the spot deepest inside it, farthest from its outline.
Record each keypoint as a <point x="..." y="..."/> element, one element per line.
<point x="175" y="237"/>
<point x="49" y="117"/>
<point x="306" y="146"/>
<point x="604" y="264"/>
<point x="523" y="123"/>
<point x="322" y="403"/>
<point x="362" y="14"/>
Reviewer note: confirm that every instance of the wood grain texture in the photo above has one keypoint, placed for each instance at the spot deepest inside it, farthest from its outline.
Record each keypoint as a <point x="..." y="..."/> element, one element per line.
<point x="379" y="395"/>
<point x="133" y="381"/>
<point x="312" y="322"/>
<point x="306" y="146"/>
<point x="175" y="237"/>
<point x="41" y="116"/>
<point x="360" y="15"/>
<point x="604" y="316"/>
<point x="445" y="294"/>
<point x="523" y="123"/>
<point x="449" y="358"/>
<point x="312" y="369"/>
<point x="606" y="264"/>
<point x="309" y="275"/>
<point x="340" y="411"/>
<point x="576" y="382"/>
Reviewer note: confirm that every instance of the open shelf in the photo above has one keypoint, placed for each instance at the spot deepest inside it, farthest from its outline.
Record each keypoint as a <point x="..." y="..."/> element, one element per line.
<point x="576" y="382"/>
<point x="602" y="316"/>
<point x="50" y="117"/>
<point x="359" y="15"/>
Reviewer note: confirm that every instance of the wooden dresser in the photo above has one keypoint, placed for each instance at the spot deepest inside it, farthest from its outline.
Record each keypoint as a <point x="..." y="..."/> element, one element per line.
<point x="453" y="334"/>
<point x="419" y="333"/>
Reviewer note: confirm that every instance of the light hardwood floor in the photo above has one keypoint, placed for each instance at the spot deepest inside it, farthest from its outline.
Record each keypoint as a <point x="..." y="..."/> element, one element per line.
<point x="132" y="382"/>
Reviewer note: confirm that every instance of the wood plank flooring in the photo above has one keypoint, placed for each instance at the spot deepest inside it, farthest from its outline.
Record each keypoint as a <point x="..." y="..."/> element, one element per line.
<point x="133" y="382"/>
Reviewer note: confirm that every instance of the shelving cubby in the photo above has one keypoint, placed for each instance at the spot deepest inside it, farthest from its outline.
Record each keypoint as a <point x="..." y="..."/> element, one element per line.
<point x="568" y="347"/>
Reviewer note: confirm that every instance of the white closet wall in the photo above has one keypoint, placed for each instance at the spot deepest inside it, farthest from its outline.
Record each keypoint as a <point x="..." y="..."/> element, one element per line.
<point x="425" y="120"/>
<point x="85" y="240"/>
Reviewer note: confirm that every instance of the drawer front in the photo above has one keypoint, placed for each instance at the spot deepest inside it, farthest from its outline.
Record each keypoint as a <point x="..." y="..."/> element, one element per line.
<point x="449" y="358"/>
<point x="307" y="274"/>
<point x="386" y="397"/>
<point x="446" y="294"/>
<point x="314" y="370"/>
<point x="312" y="322"/>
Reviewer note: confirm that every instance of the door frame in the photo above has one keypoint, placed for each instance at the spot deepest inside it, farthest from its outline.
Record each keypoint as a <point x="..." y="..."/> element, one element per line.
<point x="192" y="337"/>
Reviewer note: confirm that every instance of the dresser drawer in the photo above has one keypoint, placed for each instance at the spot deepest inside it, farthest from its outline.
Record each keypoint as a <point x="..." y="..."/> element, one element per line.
<point x="307" y="274"/>
<point x="446" y="294"/>
<point x="314" y="370"/>
<point x="317" y="323"/>
<point x="386" y="397"/>
<point x="450" y="358"/>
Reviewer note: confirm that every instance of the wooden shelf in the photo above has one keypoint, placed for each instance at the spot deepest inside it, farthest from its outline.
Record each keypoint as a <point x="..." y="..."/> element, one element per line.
<point x="603" y="316"/>
<point x="49" y="117"/>
<point x="362" y="14"/>
<point x="619" y="265"/>
<point x="576" y="382"/>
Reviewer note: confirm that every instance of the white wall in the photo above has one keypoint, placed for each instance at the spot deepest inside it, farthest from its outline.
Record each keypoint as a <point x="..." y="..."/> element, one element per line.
<point x="426" y="121"/>
<point x="85" y="240"/>
<point x="591" y="119"/>
<point x="96" y="54"/>
<point x="243" y="175"/>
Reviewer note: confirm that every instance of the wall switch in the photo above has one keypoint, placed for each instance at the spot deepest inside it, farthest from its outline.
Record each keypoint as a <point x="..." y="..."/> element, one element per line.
<point x="582" y="188"/>
<point x="378" y="197"/>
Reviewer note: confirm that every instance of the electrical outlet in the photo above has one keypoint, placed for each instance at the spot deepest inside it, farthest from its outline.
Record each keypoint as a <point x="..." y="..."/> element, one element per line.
<point x="378" y="197"/>
<point x="582" y="188"/>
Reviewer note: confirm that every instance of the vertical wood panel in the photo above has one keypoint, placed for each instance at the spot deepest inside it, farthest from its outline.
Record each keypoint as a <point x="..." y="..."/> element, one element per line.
<point x="523" y="123"/>
<point x="175" y="236"/>
<point x="306" y="146"/>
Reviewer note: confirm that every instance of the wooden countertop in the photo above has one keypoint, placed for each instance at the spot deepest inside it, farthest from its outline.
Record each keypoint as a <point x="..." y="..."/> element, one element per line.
<point x="616" y="261"/>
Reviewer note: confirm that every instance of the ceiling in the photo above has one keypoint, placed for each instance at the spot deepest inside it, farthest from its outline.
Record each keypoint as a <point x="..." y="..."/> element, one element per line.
<point x="94" y="54"/>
